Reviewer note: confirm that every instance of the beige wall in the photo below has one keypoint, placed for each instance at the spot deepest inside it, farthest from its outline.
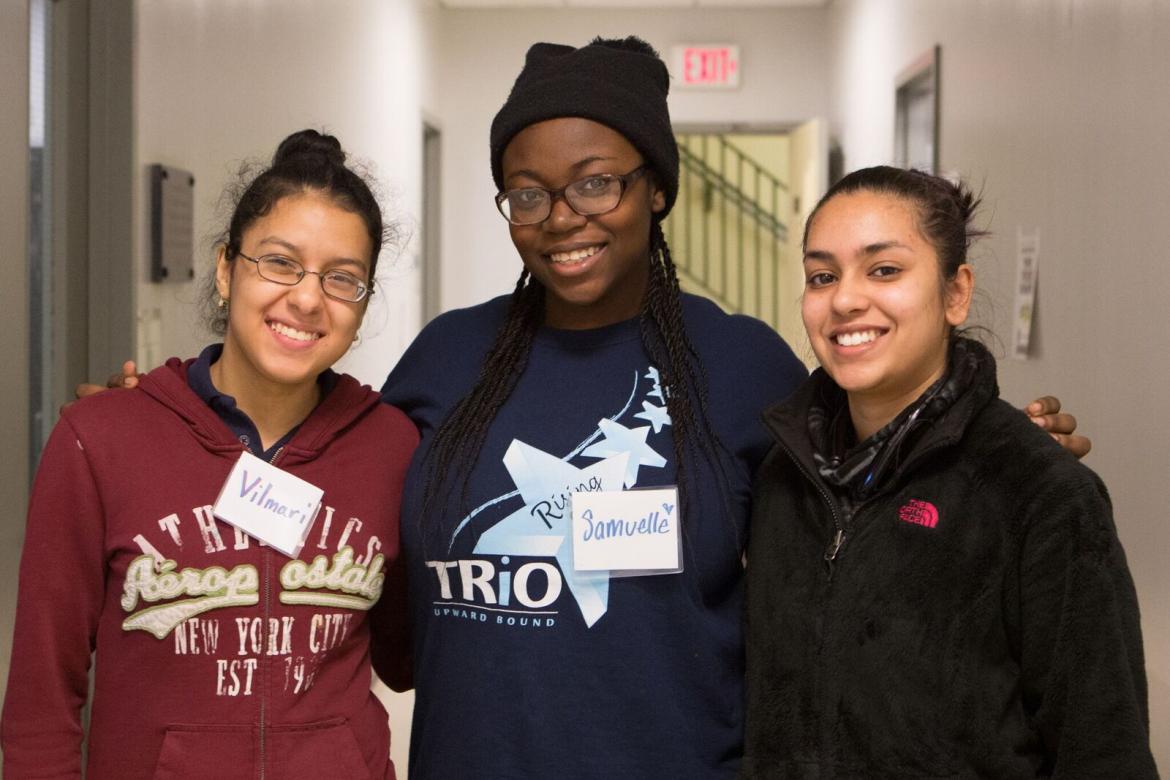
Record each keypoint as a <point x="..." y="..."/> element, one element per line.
<point x="217" y="83"/>
<point x="1058" y="109"/>
<point x="810" y="179"/>
<point x="14" y="304"/>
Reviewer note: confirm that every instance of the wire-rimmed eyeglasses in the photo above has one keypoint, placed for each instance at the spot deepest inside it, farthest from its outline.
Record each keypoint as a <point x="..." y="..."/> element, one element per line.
<point x="340" y="285"/>
<point x="588" y="197"/>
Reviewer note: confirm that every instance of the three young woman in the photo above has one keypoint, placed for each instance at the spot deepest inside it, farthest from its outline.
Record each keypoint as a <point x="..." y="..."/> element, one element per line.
<point x="216" y="655"/>
<point x="934" y="588"/>
<point x="595" y="374"/>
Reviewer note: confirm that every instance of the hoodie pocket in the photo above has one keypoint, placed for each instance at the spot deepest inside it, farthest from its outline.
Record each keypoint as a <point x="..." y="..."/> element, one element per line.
<point x="207" y="750"/>
<point x="325" y="748"/>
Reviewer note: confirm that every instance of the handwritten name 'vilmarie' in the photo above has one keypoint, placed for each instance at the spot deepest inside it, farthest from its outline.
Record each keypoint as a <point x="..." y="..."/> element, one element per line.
<point x="256" y="492"/>
<point x="653" y="523"/>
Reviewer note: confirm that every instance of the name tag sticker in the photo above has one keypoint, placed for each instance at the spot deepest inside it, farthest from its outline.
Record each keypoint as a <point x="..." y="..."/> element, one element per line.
<point x="627" y="532"/>
<point x="269" y="504"/>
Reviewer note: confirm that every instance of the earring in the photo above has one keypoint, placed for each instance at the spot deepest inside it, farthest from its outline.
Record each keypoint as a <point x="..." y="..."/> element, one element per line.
<point x="223" y="302"/>
<point x="357" y="339"/>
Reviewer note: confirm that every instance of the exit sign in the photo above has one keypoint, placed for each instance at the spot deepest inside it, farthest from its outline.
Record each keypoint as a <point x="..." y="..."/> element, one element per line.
<point x="709" y="66"/>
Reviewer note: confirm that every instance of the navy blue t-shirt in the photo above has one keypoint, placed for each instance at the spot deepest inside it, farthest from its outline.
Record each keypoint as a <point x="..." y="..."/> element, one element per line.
<point x="524" y="668"/>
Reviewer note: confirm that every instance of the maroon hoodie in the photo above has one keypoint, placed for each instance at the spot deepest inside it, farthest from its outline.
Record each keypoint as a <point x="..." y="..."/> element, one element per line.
<point x="216" y="656"/>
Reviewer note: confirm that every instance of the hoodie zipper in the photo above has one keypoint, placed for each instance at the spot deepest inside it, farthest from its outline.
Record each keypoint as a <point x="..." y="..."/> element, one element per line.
<point x="264" y="640"/>
<point x="833" y="549"/>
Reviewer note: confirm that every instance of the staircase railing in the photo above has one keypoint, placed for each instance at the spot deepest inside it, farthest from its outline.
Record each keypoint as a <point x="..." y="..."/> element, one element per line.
<point x="727" y="233"/>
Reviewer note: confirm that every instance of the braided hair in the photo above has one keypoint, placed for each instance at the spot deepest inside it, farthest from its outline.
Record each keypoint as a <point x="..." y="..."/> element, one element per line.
<point x="459" y="439"/>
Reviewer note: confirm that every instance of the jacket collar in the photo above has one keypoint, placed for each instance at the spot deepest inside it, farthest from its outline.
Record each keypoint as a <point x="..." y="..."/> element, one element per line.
<point x="788" y="421"/>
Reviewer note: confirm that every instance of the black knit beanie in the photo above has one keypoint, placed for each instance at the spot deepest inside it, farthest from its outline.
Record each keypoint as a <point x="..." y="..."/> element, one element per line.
<point x="620" y="83"/>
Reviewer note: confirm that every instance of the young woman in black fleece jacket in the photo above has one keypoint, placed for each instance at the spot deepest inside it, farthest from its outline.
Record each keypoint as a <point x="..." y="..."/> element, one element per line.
<point x="934" y="590"/>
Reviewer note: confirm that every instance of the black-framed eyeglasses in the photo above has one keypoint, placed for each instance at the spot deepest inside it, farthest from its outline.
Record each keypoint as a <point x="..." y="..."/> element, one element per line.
<point x="588" y="197"/>
<point x="341" y="285"/>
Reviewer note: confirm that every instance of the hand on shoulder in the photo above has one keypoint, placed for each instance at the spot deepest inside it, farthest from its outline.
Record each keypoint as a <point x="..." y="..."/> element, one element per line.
<point x="1045" y="412"/>
<point x="126" y="379"/>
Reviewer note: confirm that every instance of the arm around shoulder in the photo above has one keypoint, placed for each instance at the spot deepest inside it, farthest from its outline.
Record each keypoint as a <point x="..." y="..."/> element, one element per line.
<point x="390" y="626"/>
<point x="390" y="631"/>
<point x="443" y="360"/>
<point x="774" y="359"/>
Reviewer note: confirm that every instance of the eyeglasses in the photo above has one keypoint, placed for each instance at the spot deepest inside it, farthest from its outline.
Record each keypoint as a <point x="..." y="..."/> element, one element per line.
<point x="341" y="285"/>
<point x="588" y="197"/>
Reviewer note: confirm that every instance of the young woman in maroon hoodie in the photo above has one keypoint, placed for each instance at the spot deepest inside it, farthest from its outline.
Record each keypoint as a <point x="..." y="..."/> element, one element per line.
<point x="215" y="654"/>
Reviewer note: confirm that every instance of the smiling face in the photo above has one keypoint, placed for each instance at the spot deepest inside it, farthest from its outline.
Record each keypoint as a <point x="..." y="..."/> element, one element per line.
<point x="877" y="311"/>
<point x="594" y="269"/>
<point x="279" y="338"/>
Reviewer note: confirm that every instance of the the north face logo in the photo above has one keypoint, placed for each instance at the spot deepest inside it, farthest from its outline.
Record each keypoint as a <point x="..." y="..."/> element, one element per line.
<point x="919" y="513"/>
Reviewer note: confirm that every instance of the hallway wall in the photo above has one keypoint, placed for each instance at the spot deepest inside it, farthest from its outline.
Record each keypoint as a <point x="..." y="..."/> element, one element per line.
<point x="1058" y="110"/>
<point x="217" y="83"/>
<point x="481" y="52"/>
<point x="14" y="212"/>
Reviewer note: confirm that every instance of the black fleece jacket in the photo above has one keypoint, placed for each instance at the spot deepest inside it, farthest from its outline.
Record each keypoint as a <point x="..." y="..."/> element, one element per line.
<point x="978" y="620"/>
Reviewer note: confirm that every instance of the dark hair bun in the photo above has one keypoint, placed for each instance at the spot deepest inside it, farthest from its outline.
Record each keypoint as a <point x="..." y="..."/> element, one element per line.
<point x="306" y="161"/>
<point x="308" y="144"/>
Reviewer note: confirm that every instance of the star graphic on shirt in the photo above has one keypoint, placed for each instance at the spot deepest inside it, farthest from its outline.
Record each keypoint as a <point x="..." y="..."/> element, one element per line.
<point x="540" y="527"/>
<point x="652" y="375"/>
<point x="655" y="415"/>
<point x="632" y="441"/>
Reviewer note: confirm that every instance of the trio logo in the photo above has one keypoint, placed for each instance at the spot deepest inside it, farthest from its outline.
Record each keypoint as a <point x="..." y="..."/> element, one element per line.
<point x="479" y="590"/>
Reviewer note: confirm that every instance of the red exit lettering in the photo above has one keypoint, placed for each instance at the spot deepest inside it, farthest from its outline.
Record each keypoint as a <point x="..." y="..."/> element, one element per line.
<point x="710" y="66"/>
